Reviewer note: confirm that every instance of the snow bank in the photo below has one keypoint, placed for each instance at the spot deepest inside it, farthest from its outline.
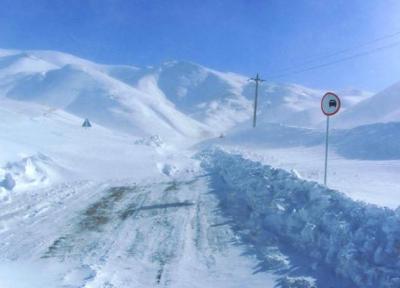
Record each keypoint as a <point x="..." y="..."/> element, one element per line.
<point x="356" y="241"/>
<point x="32" y="171"/>
<point x="152" y="141"/>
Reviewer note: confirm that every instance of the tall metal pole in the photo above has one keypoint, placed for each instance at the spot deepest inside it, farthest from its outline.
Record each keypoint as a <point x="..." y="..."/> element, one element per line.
<point x="255" y="103"/>
<point x="257" y="80"/>
<point x="326" y="149"/>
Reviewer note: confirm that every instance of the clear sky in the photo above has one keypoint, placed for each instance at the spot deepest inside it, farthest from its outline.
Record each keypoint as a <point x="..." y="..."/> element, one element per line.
<point x="243" y="36"/>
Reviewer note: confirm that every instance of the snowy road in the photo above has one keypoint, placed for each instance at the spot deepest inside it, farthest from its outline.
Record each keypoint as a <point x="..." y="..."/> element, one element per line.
<point x="230" y="223"/>
<point x="167" y="234"/>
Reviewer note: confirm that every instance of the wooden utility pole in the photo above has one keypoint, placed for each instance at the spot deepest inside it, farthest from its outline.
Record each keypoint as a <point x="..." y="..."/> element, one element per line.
<point x="257" y="80"/>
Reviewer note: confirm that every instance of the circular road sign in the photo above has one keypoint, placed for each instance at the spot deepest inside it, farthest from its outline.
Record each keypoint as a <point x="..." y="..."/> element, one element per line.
<point x="330" y="104"/>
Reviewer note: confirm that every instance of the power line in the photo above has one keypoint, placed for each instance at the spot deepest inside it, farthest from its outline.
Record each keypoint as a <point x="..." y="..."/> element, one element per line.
<point x="313" y="59"/>
<point x="365" y="44"/>
<point x="372" y="51"/>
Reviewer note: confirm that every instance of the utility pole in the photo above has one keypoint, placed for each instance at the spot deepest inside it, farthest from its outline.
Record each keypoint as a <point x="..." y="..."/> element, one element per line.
<point x="257" y="80"/>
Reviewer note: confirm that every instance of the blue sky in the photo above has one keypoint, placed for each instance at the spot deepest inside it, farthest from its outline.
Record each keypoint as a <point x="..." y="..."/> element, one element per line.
<point x="243" y="36"/>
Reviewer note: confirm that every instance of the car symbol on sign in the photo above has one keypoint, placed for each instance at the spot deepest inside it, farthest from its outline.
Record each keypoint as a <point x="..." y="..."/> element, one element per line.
<point x="332" y="103"/>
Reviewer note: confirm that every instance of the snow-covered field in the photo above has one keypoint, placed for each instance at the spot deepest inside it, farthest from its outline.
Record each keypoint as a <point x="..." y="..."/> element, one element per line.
<point x="144" y="199"/>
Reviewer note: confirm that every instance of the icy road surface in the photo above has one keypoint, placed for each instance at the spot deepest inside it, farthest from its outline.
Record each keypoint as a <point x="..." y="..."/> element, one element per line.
<point x="166" y="234"/>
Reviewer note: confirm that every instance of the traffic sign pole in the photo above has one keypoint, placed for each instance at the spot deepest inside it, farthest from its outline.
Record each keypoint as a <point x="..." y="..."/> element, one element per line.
<point x="326" y="149"/>
<point x="330" y="105"/>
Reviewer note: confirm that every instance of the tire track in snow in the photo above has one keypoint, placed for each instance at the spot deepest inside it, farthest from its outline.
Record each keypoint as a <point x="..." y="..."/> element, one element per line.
<point x="91" y="225"/>
<point x="103" y="228"/>
<point x="34" y="226"/>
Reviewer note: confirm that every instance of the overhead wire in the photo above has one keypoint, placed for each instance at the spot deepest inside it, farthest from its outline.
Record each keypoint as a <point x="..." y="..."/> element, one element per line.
<point x="299" y="69"/>
<point x="303" y="67"/>
<point x="345" y="50"/>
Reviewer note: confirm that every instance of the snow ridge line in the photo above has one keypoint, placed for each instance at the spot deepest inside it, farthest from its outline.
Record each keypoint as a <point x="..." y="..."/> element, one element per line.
<point x="359" y="242"/>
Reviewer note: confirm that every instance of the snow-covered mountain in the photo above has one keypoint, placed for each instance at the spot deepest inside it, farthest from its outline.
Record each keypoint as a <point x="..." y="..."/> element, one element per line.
<point x="173" y="100"/>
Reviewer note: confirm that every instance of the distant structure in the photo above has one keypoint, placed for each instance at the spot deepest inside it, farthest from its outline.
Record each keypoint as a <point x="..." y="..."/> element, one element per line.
<point x="86" y="123"/>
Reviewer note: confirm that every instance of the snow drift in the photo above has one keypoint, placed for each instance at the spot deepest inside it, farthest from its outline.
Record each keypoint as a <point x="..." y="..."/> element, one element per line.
<point x="357" y="242"/>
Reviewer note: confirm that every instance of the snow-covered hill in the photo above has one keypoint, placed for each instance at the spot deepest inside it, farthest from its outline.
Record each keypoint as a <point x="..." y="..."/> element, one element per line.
<point x="224" y="100"/>
<point x="382" y="107"/>
<point x="368" y="142"/>
<point x="86" y="90"/>
<point x="296" y="105"/>
<point x="378" y="141"/>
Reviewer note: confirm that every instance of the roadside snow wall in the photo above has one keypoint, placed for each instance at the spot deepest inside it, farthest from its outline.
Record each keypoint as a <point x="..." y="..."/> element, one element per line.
<point x="357" y="241"/>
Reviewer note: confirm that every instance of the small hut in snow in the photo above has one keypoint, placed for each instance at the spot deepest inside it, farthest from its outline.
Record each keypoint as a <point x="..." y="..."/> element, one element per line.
<point x="86" y="124"/>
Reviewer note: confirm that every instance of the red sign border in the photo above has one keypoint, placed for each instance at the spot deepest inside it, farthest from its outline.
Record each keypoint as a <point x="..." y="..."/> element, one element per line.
<point x="338" y="99"/>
